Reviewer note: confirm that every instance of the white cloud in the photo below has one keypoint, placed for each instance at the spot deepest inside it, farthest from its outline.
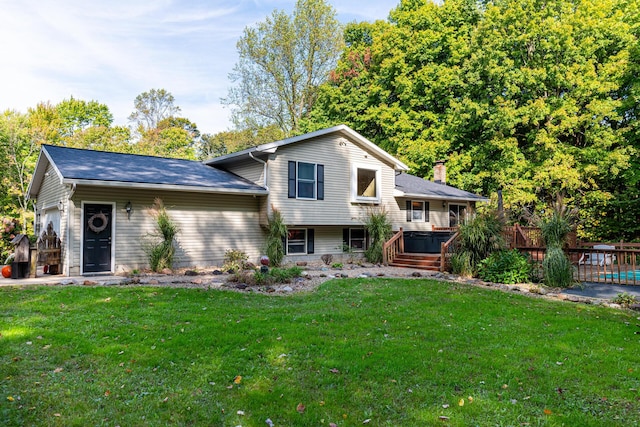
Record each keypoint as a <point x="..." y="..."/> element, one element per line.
<point x="111" y="51"/>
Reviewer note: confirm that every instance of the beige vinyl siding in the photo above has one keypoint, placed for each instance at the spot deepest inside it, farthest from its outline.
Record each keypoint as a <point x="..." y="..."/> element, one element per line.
<point x="338" y="155"/>
<point x="50" y="193"/>
<point x="438" y="215"/>
<point x="249" y="169"/>
<point x="209" y="225"/>
<point x="327" y="240"/>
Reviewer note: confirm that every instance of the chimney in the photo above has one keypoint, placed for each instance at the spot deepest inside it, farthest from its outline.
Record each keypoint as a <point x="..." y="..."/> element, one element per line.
<point x="440" y="172"/>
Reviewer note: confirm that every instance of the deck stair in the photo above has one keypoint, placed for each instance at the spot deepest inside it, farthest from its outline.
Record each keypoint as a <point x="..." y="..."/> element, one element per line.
<point x="421" y="261"/>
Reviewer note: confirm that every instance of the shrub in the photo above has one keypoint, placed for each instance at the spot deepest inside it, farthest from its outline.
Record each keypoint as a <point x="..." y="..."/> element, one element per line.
<point x="379" y="228"/>
<point x="505" y="267"/>
<point x="276" y="233"/>
<point x="9" y="228"/>
<point x="337" y="265"/>
<point x="160" y="246"/>
<point x="624" y="299"/>
<point x="558" y="271"/>
<point x="479" y="236"/>
<point x="234" y="260"/>
<point x="273" y="276"/>
<point x="327" y="259"/>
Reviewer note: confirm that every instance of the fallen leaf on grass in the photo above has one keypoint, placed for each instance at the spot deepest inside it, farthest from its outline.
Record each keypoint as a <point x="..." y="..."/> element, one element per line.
<point x="107" y="393"/>
<point x="333" y="425"/>
<point x="300" y="408"/>
<point x="57" y="415"/>
<point x="240" y="412"/>
<point x="10" y="398"/>
<point x="548" y="412"/>
<point x="367" y="421"/>
<point x="461" y="402"/>
<point x="57" y="370"/>
<point x="237" y="379"/>
<point x="443" y="418"/>
<point x="334" y="371"/>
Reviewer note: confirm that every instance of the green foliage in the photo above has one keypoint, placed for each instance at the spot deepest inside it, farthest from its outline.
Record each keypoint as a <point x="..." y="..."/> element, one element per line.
<point x="276" y="233"/>
<point x="478" y="236"/>
<point x="558" y="271"/>
<point x="152" y="107"/>
<point x="378" y="225"/>
<point x="556" y="227"/>
<point x="271" y="277"/>
<point x="160" y="245"/>
<point x="534" y="100"/>
<point x="234" y="260"/>
<point x="282" y="62"/>
<point x="9" y="227"/>
<point x="625" y="299"/>
<point x="505" y="267"/>
<point x="337" y="265"/>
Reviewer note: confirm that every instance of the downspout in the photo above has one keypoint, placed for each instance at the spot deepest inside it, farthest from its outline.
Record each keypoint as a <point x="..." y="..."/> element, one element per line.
<point x="266" y="185"/>
<point x="67" y="258"/>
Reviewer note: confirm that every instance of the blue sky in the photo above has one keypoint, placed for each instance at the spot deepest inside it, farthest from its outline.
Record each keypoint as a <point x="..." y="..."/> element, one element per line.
<point x="111" y="51"/>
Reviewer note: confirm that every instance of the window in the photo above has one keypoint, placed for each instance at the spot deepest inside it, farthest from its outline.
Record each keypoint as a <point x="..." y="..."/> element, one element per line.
<point x="417" y="211"/>
<point x="306" y="181"/>
<point x="457" y="214"/>
<point x="365" y="184"/>
<point x="357" y="239"/>
<point x="299" y="241"/>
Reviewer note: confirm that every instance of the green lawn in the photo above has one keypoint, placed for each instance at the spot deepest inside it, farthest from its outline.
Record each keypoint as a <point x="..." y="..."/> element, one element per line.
<point x="373" y="351"/>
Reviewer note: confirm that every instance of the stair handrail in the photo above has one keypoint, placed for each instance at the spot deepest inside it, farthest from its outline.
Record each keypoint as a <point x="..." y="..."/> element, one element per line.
<point x="445" y="249"/>
<point x="392" y="247"/>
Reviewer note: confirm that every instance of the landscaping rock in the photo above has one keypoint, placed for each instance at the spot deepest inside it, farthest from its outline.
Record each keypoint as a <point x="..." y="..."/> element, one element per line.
<point x="241" y="286"/>
<point x="217" y="272"/>
<point x="287" y="289"/>
<point x="190" y="273"/>
<point x="89" y="283"/>
<point x="166" y="271"/>
<point x="197" y="281"/>
<point x="635" y="307"/>
<point x="416" y="274"/>
<point x="301" y="263"/>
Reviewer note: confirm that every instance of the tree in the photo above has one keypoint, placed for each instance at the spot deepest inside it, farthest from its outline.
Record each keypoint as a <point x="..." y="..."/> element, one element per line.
<point x="19" y="152"/>
<point x="537" y="98"/>
<point x="231" y="141"/>
<point x="283" y="61"/>
<point x="152" y="107"/>
<point x="77" y="115"/>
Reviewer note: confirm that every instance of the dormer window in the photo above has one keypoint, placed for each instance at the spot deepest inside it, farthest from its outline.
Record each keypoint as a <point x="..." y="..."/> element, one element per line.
<point x="365" y="184"/>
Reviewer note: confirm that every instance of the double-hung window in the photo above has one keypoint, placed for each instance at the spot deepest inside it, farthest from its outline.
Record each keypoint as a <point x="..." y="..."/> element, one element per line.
<point x="300" y="241"/>
<point x="365" y="184"/>
<point x="306" y="181"/>
<point x="417" y="211"/>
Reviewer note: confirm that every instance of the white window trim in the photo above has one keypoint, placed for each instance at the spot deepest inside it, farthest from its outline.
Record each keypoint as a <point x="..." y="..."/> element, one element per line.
<point x="422" y="216"/>
<point x="306" y="241"/>
<point x="315" y="181"/>
<point x="354" y="184"/>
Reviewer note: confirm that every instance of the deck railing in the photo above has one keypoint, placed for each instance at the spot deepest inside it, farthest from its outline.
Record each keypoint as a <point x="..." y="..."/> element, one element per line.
<point x="392" y="247"/>
<point x="446" y="250"/>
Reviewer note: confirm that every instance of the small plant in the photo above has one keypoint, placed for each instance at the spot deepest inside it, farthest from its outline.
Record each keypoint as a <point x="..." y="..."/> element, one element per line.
<point x="558" y="271"/>
<point x="160" y="247"/>
<point x="276" y="235"/>
<point x="327" y="259"/>
<point x="505" y="267"/>
<point x="379" y="228"/>
<point x="479" y="236"/>
<point x="337" y="265"/>
<point x="234" y="260"/>
<point x="624" y="299"/>
<point x="273" y="276"/>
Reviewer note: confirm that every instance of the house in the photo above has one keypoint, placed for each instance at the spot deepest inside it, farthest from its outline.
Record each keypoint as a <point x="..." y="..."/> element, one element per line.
<point x="323" y="183"/>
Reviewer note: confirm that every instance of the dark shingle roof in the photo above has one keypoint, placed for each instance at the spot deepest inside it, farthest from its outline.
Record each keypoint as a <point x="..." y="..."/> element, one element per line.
<point x="89" y="165"/>
<point x="412" y="185"/>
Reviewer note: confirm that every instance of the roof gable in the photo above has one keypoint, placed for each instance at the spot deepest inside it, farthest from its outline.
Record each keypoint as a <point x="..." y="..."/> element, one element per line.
<point x="130" y="170"/>
<point x="340" y="130"/>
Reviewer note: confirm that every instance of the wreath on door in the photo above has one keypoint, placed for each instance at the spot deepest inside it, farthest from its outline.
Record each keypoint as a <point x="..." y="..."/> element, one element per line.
<point x="98" y="228"/>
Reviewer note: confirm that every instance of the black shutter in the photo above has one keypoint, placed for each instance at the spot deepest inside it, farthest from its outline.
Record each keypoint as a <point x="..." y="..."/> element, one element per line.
<point x="426" y="211"/>
<point x="408" y="210"/>
<point x="345" y="238"/>
<point x="284" y="246"/>
<point x="320" y="171"/>
<point x="292" y="180"/>
<point x="310" y="245"/>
